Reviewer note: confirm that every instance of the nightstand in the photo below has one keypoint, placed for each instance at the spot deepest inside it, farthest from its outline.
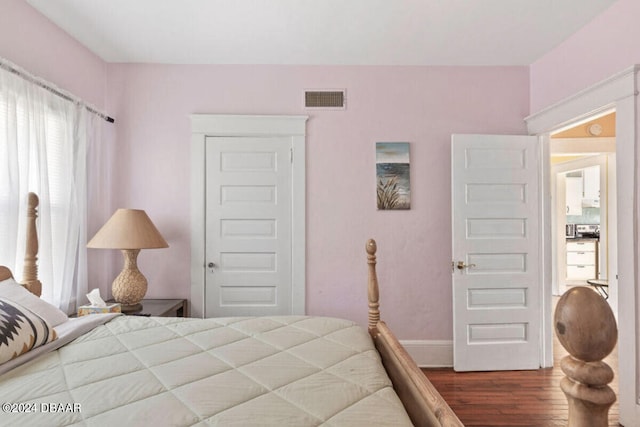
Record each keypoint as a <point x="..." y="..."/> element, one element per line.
<point x="162" y="308"/>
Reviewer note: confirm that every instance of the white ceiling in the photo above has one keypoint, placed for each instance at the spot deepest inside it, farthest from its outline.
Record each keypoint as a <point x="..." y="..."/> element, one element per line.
<point x="366" y="32"/>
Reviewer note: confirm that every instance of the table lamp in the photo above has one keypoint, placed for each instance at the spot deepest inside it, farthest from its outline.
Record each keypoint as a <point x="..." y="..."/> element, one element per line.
<point x="129" y="230"/>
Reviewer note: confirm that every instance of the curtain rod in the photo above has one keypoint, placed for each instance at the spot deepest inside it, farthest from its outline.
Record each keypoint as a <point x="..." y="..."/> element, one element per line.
<point x="17" y="71"/>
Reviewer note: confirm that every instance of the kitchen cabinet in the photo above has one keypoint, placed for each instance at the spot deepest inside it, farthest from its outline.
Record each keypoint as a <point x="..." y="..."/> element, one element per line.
<point x="582" y="259"/>
<point x="591" y="182"/>
<point x="574" y="188"/>
<point x="582" y="189"/>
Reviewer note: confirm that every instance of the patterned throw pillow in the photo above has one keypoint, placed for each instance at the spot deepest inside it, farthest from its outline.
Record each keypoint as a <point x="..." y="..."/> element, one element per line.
<point x="21" y="330"/>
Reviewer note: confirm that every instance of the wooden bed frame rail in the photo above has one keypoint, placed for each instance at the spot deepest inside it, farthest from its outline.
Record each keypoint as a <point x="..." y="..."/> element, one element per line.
<point x="5" y="273"/>
<point x="423" y="403"/>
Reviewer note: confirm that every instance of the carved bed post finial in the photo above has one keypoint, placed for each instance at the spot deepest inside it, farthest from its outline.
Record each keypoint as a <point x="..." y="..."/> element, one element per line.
<point x="30" y="270"/>
<point x="586" y="328"/>
<point x="374" y="312"/>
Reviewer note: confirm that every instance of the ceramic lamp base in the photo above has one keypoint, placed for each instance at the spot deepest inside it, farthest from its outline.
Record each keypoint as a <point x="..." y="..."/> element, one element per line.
<point x="130" y="287"/>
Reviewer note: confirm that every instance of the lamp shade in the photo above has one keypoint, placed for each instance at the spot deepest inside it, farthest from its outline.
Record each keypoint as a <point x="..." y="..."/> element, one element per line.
<point x="128" y="229"/>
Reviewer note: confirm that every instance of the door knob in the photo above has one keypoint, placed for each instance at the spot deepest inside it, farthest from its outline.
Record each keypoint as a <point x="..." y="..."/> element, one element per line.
<point x="461" y="265"/>
<point x="211" y="266"/>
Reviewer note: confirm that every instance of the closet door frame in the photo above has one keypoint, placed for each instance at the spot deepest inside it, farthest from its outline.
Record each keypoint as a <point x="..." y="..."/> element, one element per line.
<point x="208" y="125"/>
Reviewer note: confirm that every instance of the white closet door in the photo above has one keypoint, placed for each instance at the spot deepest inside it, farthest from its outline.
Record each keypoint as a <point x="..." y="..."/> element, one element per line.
<point x="248" y="226"/>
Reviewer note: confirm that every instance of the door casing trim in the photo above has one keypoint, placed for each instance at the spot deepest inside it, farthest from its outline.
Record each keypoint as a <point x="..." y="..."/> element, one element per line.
<point x="212" y="125"/>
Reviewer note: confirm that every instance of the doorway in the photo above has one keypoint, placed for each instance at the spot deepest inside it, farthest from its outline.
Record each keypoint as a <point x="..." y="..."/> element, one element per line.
<point x="617" y="92"/>
<point x="583" y="207"/>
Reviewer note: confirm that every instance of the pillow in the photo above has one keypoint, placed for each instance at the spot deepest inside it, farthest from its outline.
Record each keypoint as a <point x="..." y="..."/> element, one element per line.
<point x="11" y="290"/>
<point x="21" y="330"/>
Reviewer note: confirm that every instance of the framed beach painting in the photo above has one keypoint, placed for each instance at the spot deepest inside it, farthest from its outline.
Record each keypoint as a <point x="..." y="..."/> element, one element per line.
<point x="392" y="175"/>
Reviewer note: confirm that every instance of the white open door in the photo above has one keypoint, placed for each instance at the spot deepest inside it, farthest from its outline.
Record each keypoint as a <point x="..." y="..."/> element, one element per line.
<point x="496" y="252"/>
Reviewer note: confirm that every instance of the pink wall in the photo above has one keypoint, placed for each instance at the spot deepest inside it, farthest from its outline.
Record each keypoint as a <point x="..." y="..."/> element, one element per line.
<point x="31" y="41"/>
<point x="151" y="160"/>
<point x="605" y="46"/>
<point x="421" y="105"/>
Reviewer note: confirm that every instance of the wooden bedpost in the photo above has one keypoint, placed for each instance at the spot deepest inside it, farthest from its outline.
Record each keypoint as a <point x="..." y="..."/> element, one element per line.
<point x="423" y="403"/>
<point x="586" y="328"/>
<point x="30" y="270"/>
<point x="374" y="296"/>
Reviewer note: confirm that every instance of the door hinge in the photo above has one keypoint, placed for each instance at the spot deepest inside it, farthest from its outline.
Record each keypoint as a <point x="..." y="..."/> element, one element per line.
<point x="291" y="155"/>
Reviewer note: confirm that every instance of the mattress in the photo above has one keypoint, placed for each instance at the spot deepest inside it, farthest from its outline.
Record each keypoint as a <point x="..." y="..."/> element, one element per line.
<point x="271" y="371"/>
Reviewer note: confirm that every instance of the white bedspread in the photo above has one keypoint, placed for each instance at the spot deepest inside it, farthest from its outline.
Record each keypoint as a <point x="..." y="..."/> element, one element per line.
<point x="140" y="371"/>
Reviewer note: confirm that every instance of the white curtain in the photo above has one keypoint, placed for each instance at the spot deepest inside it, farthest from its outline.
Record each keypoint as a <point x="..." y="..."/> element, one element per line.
<point x="44" y="145"/>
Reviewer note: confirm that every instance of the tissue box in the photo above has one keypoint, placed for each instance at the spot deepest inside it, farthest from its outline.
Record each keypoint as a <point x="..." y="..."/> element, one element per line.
<point x="83" y="310"/>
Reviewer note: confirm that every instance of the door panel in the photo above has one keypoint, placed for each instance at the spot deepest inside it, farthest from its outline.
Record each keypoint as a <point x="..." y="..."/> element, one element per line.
<point x="248" y="226"/>
<point x="496" y="277"/>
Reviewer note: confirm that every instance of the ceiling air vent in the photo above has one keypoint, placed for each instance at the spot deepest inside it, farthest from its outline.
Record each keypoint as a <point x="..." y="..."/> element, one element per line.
<point x="325" y="99"/>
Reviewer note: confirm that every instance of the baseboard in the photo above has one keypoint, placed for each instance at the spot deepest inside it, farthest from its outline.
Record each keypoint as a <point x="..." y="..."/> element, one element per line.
<point x="430" y="353"/>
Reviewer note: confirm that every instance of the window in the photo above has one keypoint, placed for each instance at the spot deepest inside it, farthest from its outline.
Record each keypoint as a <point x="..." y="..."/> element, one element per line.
<point x="43" y="149"/>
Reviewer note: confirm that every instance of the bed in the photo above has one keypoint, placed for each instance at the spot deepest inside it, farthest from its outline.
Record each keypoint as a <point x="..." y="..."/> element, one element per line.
<point x="274" y="371"/>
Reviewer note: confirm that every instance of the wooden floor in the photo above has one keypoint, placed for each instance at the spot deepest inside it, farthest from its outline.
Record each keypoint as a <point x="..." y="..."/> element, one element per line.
<point x="512" y="398"/>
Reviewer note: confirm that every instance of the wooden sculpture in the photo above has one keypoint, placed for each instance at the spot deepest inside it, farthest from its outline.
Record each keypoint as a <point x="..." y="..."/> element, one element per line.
<point x="586" y="328"/>
<point x="30" y="269"/>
